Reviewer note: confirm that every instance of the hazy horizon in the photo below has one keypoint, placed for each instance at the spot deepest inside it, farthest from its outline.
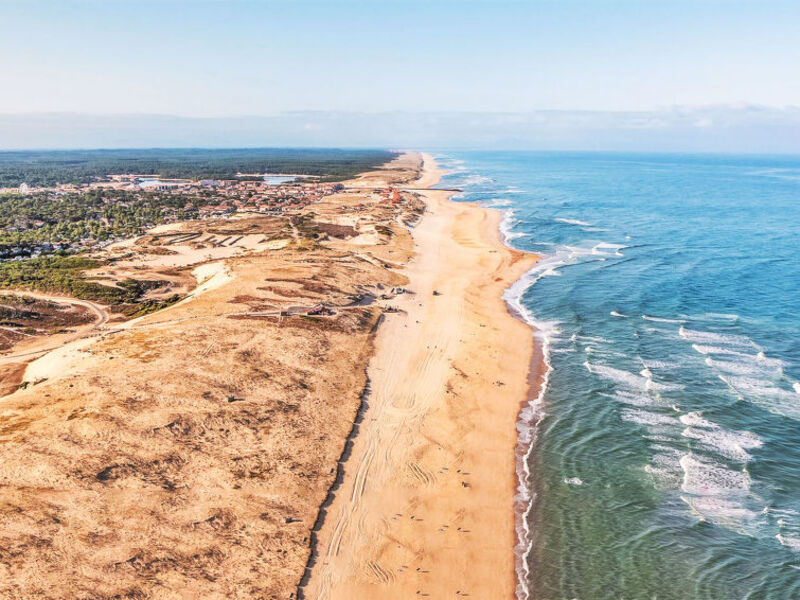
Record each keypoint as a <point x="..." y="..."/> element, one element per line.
<point x="710" y="76"/>
<point x="720" y="129"/>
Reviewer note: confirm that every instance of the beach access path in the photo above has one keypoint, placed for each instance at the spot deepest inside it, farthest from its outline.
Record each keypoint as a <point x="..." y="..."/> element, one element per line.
<point x="426" y="505"/>
<point x="41" y="345"/>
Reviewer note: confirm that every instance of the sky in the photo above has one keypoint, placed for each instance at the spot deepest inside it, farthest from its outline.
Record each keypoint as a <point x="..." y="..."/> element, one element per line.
<point x="229" y="59"/>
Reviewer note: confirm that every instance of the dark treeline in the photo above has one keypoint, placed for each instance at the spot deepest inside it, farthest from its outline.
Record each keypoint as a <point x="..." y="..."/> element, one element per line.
<point x="98" y="215"/>
<point x="47" y="168"/>
<point x="65" y="275"/>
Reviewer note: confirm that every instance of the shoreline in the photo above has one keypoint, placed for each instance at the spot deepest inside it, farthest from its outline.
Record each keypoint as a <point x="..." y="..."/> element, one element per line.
<point x="529" y="409"/>
<point x="456" y="403"/>
<point x="530" y="414"/>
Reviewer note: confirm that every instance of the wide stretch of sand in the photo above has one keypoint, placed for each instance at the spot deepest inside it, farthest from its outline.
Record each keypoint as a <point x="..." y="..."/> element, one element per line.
<point x="426" y="505"/>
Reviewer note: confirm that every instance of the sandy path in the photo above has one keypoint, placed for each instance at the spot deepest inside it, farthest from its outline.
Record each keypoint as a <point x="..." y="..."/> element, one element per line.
<point x="426" y="506"/>
<point x="62" y="354"/>
<point x="47" y="343"/>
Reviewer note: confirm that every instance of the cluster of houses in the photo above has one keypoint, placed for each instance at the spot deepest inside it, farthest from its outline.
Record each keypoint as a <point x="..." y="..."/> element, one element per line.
<point x="388" y="195"/>
<point x="222" y="197"/>
<point x="227" y="196"/>
<point x="210" y="198"/>
<point x="32" y="251"/>
<point x="263" y="197"/>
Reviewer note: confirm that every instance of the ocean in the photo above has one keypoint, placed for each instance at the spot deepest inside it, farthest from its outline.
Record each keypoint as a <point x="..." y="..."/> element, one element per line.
<point x="664" y="452"/>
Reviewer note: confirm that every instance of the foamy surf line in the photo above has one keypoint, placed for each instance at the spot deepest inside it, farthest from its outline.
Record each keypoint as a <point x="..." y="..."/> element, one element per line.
<point x="530" y="414"/>
<point x="531" y="411"/>
<point x="527" y="421"/>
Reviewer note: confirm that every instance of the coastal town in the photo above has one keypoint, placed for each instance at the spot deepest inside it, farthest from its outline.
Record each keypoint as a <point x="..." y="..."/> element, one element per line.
<point x="124" y="205"/>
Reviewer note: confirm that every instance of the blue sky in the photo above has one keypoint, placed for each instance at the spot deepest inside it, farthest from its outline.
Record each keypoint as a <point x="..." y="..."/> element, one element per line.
<point x="710" y="75"/>
<point x="233" y="58"/>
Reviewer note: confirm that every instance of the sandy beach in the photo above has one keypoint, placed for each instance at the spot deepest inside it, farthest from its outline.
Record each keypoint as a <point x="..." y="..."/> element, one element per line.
<point x="426" y="505"/>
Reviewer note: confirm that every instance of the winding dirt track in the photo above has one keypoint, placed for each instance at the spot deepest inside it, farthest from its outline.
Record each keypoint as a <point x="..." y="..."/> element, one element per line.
<point x="46" y="344"/>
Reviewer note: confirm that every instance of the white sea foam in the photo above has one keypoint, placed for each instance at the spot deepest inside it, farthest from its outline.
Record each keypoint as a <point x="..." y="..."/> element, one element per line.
<point x="619" y="376"/>
<point x="662" y="319"/>
<point x="573" y="481"/>
<point x="507" y="223"/>
<point x="617" y="314"/>
<point x="592" y="338"/>
<point x="633" y="398"/>
<point x="550" y="263"/>
<point x="767" y="360"/>
<point x="598" y="249"/>
<point x="716" y="339"/>
<point x="694" y="419"/>
<point x="664" y="467"/>
<point x="653" y="437"/>
<point x="717" y="350"/>
<point x="629" y="379"/>
<point x="706" y="478"/>
<point x="729" y="317"/>
<point x="660" y="364"/>
<point x="653" y="420"/>
<point x="751" y="365"/>
<point x="789" y="542"/>
<point x="761" y="388"/>
<point x="720" y="492"/>
<point x="572" y="221"/>
<point x="789" y="527"/>
<point x="720" y="510"/>
<point x="732" y="445"/>
<point x="666" y="456"/>
<point x="474" y="179"/>
<point x="753" y="377"/>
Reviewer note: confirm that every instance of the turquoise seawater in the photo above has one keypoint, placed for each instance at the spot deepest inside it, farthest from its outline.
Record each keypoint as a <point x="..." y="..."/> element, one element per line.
<point x="665" y="458"/>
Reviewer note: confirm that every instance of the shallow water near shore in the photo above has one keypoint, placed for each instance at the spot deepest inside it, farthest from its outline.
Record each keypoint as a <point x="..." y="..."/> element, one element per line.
<point x="665" y="460"/>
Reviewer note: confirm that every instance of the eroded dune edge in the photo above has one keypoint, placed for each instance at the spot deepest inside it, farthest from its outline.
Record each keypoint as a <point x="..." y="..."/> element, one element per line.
<point x="187" y="453"/>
